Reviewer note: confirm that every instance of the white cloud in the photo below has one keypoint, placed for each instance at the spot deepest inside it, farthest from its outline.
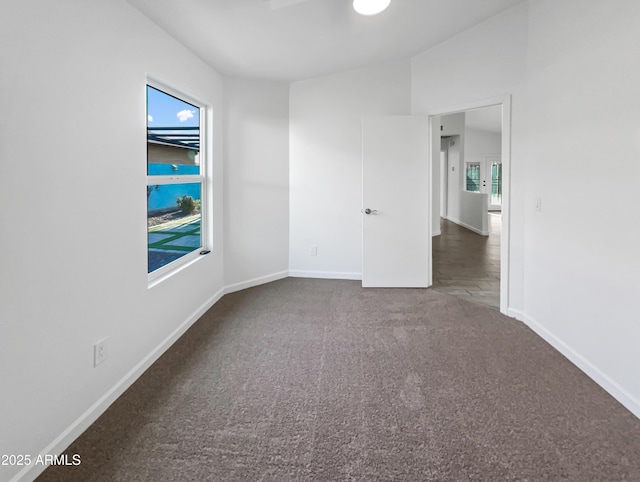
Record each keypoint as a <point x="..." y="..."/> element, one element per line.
<point x="185" y="115"/>
<point x="149" y="118"/>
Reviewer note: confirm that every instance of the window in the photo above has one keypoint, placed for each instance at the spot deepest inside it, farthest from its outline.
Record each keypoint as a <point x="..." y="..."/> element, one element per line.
<point x="473" y="176"/>
<point x="176" y="187"/>
<point x="496" y="183"/>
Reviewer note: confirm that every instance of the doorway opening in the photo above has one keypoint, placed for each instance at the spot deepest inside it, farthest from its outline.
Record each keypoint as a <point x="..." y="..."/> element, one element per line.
<point x="470" y="161"/>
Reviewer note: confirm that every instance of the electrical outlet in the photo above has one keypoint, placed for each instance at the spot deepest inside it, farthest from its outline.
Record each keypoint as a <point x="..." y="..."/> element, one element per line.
<point x="99" y="352"/>
<point x="314" y="251"/>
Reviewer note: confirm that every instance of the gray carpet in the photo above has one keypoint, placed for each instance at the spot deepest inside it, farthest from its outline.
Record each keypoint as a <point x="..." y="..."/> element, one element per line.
<point x="322" y="380"/>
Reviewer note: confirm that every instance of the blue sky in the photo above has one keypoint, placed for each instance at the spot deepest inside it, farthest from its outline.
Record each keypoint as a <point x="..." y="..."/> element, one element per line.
<point x="164" y="110"/>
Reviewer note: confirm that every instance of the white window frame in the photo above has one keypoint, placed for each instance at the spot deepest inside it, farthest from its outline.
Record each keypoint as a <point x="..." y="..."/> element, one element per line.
<point x="179" y="264"/>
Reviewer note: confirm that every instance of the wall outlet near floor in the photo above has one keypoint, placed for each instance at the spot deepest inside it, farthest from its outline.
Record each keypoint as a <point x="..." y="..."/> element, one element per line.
<point x="99" y="352"/>
<point x="314" y="251"/>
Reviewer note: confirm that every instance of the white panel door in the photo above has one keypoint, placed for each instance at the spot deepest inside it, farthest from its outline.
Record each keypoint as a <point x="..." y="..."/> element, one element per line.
<point x="396" y="202"/>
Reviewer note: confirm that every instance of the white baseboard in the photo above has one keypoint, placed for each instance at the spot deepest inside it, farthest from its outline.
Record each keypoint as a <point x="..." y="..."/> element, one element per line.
<point x="517" y="314"/>
<point x="255" y="282"/>
<point x="325" y="274"/>
<point x="469" y="227"/>
<point x="83" y="422"/>
<point x="630" y="402"/>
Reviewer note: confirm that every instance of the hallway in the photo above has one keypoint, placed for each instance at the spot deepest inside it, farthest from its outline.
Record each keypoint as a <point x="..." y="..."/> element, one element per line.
<point x="466" y="264"/>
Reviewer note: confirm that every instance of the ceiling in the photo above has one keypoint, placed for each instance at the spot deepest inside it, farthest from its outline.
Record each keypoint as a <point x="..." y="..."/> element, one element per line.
<point x="297" y="39"/>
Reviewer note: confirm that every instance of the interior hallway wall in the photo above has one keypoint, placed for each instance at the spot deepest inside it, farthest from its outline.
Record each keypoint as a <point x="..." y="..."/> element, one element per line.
<point x="326" y="163"/>
<point x="482" y="143"/>
<point x="453" y="127"/>
<point x="256" y="187"/>
<point x="436" y="176"/>
<point x="73" y="230"/>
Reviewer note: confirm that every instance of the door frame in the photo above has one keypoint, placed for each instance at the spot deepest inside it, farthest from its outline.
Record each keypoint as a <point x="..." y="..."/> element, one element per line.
<point x="505" y="238"/>
<point x="444" y="185"/>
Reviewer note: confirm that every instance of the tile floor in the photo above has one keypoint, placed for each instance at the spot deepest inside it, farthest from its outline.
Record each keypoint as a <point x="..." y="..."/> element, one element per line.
<point x="467" y="264"/>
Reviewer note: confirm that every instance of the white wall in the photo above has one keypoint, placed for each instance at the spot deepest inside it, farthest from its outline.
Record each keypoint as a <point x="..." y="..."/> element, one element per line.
<point x="453" y="125"/>
<point x="474" y="212"/>
<point x="481" y="143"/>
<point x="484" y="62"/>
<point x="583" y="151"/>
<point x="256" y="202"/>
<point x="73" y="230"/>
<point x="326" y="163"/>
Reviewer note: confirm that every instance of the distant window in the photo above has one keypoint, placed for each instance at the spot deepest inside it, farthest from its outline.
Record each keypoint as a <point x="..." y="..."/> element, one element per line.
<point x="496" y="183"/>
<point x="473" y="176"/>
<point x="176" y="190"/>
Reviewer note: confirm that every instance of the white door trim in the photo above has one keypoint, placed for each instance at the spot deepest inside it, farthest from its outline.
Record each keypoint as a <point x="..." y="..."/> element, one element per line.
<point x="505" y="102"/>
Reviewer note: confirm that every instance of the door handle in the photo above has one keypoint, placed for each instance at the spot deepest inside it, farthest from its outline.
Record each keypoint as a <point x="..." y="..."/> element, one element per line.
<point x="370" y="211"/>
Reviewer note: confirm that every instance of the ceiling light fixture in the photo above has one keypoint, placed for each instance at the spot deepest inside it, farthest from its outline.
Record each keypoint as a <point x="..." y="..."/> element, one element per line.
<point x="370" y="7"/>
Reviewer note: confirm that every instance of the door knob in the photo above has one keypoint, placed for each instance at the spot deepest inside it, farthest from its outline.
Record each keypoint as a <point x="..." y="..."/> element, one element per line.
<point x="370" y="211"/>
